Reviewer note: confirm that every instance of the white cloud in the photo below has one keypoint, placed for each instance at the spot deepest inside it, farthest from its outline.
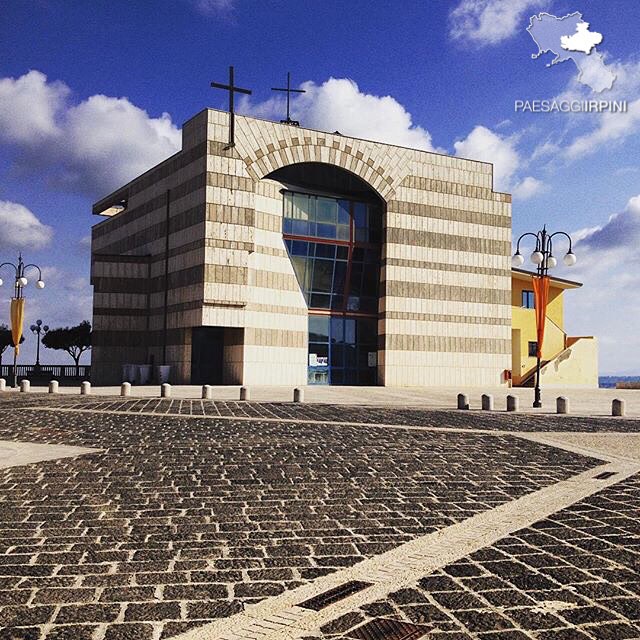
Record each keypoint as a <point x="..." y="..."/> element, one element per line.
<point x="339" y="105"/>
<point x="621" y="231"/>
<point x="20" y="228"/>
<point x="583" y="134"/>
<point x="527" y="188"/>
<point x="488" y="22"/>
<point x="609" y="266"/>
<point x="612" y="128"/>
<point x="487" y="146"/>
<point x="90" y="147"/>
<point x="28" y="107"/>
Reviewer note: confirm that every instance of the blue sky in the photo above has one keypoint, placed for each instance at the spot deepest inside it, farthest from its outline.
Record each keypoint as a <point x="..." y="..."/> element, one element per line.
<point x="93" y="93"/>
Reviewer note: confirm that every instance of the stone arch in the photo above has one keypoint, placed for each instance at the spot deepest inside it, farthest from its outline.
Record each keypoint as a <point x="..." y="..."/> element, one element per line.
<point x="383" y="167"/>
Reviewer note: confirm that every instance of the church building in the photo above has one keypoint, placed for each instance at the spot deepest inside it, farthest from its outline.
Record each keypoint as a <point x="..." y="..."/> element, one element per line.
<point x="296" y="256"/>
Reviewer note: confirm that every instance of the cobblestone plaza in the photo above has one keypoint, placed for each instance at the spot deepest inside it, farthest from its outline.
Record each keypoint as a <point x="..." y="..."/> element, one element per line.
<point x="201" y="519"/>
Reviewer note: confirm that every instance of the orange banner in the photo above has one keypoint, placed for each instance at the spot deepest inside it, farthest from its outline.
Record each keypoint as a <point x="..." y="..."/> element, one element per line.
<point x="541" y="298"/>
<point x="17" y="318"/>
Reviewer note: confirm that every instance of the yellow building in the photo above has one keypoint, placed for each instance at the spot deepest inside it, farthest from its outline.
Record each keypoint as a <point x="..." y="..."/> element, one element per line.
<point x="567" y="361"/>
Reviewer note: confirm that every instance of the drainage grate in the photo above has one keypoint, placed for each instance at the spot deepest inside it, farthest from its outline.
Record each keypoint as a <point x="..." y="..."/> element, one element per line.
<point x="385" y="629"/>
<point x="604" y="475"/>
<point x="333" y="595"/>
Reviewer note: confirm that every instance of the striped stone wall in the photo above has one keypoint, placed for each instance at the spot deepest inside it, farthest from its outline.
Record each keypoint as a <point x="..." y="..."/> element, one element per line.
<point x="445" y="282"/>
<point x="128" y="268"/>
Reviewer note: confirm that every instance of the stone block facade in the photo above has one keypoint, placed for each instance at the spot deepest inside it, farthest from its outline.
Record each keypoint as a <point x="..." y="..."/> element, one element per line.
<point x="199" y="244"/>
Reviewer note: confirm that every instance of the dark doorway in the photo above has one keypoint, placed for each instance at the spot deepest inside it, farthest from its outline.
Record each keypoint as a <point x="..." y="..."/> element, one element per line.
<point x="207" y="348"/>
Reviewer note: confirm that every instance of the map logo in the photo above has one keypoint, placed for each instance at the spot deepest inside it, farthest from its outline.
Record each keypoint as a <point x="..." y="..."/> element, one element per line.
<point x="570" y="38"/>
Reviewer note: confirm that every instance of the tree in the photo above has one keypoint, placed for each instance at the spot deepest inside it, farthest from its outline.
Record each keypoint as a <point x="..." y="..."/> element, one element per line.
<point x="6" y="340"/>
<point x="74" y="340"/>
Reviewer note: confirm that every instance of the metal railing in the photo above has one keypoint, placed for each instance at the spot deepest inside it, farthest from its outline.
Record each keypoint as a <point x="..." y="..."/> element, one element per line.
<point x="46" y="372"/>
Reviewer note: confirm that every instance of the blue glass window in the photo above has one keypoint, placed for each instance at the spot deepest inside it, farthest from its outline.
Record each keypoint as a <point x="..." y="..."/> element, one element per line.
<point x="528" y="301"/>
<point x="334" y="248"/>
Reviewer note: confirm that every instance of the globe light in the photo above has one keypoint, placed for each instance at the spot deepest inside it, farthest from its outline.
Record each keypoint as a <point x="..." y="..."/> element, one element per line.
<point x="537" y="257"/>
<point x="46" y="328"/>
<point x="40" y="284"/>
<point x="33" y="327"/>
<point x="552" y="262"/>
<point x="570" y="259"/>
<point x="22" y="281"/>
<point x="517" y="260"/>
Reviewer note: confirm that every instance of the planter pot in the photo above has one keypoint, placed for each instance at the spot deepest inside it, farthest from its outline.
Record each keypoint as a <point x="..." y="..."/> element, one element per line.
<point x="163" y="372"/>
<point x="144" y="373"/>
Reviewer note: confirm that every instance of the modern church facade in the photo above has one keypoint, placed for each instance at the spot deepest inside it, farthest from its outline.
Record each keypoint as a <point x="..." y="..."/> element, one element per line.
<point x="301" y="257"/>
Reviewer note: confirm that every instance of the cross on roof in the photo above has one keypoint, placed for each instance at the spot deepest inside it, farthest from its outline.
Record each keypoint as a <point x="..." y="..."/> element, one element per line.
<point x="289" y="91"/>
<point x="232" y="89"/>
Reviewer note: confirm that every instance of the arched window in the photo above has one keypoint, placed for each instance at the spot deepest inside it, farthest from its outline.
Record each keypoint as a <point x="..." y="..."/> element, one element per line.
<point x="332" y="228"/>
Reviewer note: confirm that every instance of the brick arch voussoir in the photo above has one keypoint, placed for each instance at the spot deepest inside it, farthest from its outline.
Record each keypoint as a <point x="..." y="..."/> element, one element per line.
<point x="359" y="166"/>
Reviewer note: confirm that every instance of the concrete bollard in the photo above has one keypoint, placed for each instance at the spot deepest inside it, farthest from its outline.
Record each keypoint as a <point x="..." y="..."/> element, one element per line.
<point x="298" y="395"/>
<point x="3" y="384"/>
<point x="53" y="386"/>
<point x="562" y="404"/>
<point x="463" y="401"/>
<point x="207" y="392"/>
<point x="245" y="393"/>
<point x="617" y="408"/>
<point x="25" y="386"/>
<point x="513" y="403"/>
<point x="165" y="390"/>
<point x="85" y="388"/>
<point x="125" y="389"/>
<point x="487" y="402"/>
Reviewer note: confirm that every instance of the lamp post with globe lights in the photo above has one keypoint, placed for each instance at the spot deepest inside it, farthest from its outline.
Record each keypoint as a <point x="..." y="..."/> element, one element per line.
<point x="17" y="303"/>
<point x="38" y="328"/>
<point x="543" y="258"/>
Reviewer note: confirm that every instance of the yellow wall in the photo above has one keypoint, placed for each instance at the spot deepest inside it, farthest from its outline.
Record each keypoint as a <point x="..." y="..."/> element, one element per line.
<point x="575" y="367"/>
<point x="523" y="325"/>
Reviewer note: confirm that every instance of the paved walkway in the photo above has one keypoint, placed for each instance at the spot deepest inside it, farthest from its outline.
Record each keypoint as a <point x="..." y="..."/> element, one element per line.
<point x="191" y="520"/>
<point x="596" y="402"/>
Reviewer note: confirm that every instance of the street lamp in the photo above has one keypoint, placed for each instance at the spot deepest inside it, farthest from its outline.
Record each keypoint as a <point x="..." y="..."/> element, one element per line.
<point x="17" y="304"/>
<point x="544" y="260"/>
<point x="38" y="329"/>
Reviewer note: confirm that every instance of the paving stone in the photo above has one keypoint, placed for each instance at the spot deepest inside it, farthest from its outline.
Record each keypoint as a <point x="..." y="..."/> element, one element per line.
<point x="87" y="613"/>
<point x="587" y="615"/>
<point x="16" y="596"/>
<point x="57" y="596"/>
<point x="534" y="619"/>
<point x="152" y="611"/>
<point x="17" y="616"/>
<point x="72" y="632"/>
<point x="614" y="631"/>
<point x="131" y="631"/>
<point x="213" y="609"/>
<point x="128" y="594"/>
<point x="483" y="620"/>
<point x="171" y="629"/>
<point x="20" y="633"/>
